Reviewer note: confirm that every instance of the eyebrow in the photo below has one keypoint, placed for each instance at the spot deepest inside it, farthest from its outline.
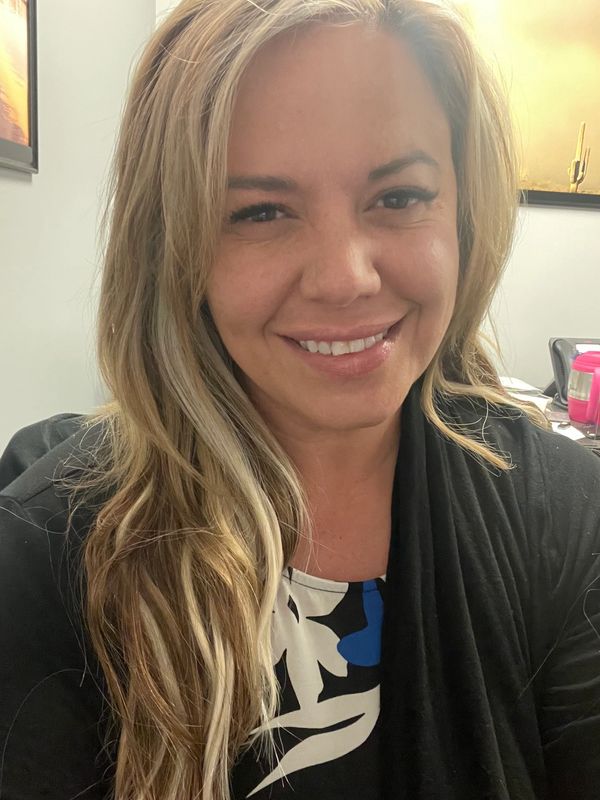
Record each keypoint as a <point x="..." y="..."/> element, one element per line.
<point x="272" y="183"/>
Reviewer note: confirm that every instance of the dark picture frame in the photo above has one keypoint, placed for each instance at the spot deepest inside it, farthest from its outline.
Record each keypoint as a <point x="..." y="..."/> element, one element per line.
<point x="554" y="109"/>
<point x="15" y="154"/>
<point x="564" y="199"/>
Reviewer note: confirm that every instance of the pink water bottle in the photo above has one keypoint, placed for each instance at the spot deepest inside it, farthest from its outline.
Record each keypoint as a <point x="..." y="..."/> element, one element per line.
<point x="583" y="394"/>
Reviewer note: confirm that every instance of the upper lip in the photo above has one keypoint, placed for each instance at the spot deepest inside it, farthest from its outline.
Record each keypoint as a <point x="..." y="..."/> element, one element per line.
<point x="339" y="334"/>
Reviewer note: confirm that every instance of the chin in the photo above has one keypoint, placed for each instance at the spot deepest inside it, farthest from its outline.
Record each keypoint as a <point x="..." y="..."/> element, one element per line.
<point x="347" y="420"/>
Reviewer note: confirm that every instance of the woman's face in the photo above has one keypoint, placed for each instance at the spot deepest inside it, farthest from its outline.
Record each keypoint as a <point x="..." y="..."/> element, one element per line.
<point x="341" y="222"/>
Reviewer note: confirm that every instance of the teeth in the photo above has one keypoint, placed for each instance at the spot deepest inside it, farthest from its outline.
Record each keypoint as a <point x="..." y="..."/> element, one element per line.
<point x="341" y="348"/>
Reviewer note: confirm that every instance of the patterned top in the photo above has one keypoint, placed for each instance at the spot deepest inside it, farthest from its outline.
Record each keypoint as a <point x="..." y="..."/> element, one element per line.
<point x="326" y="653"/>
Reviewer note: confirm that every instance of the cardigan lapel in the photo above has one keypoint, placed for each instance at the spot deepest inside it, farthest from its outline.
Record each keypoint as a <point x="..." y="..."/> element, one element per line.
<point x="438" y="732"/>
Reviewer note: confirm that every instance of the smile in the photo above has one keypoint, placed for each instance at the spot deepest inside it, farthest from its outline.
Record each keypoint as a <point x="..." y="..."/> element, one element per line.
<point x="342" y="348"/>
<point x="365" y="357"/>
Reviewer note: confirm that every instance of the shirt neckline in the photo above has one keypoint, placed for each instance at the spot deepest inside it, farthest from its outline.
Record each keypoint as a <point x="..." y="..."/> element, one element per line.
<point x="294" y="575"/>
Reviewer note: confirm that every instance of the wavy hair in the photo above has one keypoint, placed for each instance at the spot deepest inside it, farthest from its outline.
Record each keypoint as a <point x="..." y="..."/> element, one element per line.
<point x="184" y="558"/>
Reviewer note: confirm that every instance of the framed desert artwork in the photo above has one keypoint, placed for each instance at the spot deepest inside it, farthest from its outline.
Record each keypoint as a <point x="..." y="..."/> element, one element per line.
<point x="18" y="85"/>
<point x="548" y="54"/>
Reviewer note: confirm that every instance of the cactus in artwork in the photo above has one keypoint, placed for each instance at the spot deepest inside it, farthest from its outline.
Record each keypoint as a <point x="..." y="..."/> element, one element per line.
<point x="579" y="165"/>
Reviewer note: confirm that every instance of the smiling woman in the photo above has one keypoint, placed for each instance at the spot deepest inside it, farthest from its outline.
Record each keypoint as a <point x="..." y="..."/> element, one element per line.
<point x="291" y="553"/>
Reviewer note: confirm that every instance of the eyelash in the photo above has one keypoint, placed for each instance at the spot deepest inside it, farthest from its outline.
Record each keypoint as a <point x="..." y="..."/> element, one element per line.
<point x="244" y="214"/>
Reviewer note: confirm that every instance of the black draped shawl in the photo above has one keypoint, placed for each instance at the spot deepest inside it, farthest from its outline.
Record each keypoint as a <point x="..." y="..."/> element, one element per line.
<point x="491" y="635"/>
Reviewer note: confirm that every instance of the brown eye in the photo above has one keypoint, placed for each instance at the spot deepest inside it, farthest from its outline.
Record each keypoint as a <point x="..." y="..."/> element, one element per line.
<point x="261" y="212"/>
<point x="404" y="198"/>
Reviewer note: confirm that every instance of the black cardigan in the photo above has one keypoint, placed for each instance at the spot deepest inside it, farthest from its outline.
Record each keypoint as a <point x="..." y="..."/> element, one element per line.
<point x="491" y="635"/>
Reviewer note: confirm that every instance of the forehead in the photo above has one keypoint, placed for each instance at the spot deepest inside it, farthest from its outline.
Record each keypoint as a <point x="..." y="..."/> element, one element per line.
<point x="323" y="97"/>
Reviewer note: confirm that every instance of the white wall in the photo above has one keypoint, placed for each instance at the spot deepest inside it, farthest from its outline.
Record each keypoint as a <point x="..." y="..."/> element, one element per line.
<point x="48" y="221"/>
<point x="163" y="7"/>
<point x="551" y="288"/>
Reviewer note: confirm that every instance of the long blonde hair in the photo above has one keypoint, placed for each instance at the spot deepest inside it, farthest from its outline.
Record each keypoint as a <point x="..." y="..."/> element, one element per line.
<point x="204" y="508"/>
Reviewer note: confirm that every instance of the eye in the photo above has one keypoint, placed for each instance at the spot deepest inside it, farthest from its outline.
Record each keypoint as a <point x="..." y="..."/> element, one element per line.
<point x="405" y="198"/>
<point x="260" y="212"/>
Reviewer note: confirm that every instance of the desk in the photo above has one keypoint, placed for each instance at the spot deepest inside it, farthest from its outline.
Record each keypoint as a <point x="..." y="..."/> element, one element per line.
<point x="586" y="435"/>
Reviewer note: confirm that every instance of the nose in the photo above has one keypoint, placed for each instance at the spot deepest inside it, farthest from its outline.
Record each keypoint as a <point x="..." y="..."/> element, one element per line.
<point x="340" y="267"/>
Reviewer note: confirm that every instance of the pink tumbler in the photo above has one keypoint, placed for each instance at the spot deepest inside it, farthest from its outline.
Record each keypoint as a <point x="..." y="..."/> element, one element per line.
<point x="583" y="394"/>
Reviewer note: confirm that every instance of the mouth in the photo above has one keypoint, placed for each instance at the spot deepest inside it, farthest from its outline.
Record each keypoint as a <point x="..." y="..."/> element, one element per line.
<point x="339" y="349"/>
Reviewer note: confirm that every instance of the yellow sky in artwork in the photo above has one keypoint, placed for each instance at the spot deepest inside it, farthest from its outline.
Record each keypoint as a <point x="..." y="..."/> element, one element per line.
<point x="550" y="60"/>
<point x="13" y="70"/>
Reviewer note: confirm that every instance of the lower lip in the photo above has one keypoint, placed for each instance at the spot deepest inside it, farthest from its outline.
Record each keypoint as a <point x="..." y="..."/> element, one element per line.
<point x="350" y="365"/>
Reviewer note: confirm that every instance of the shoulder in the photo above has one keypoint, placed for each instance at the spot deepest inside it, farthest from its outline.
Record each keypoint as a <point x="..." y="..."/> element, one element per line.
<point x="547" y="504"/>
<point x="536" y="455"/>
<point x="41" y="527"/>
<point x="43" y="522"/>
<point x="49" y="678"/>
<point x="34" y="441"/>
<point x="41" y="460"/>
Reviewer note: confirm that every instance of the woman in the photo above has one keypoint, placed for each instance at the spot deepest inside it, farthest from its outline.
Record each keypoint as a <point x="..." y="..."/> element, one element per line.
<point x="309" y="484"/>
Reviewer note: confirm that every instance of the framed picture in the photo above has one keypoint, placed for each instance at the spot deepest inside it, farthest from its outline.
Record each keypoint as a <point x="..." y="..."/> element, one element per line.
<point x="18" y="85"/>
<point x="548" y="55"/>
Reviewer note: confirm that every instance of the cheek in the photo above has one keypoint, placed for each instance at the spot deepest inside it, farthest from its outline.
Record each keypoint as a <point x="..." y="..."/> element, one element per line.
<point x="444" y="258"/>
<point x="241" y="299"/>
<point x="432" y="275"/>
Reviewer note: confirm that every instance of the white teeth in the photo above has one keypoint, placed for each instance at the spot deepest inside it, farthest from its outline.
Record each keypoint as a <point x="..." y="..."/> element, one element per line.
<point x="341" y="348"/>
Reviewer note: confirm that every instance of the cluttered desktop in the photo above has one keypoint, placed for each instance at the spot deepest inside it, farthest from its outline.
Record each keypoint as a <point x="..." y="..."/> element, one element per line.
<point x="571" y="401"/>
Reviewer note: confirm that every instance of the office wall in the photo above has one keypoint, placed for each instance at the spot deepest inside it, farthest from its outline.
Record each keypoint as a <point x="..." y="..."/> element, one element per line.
<point x="48" y="222"/>
<point x="551" y="287"/>
<point x="163" y="7"/>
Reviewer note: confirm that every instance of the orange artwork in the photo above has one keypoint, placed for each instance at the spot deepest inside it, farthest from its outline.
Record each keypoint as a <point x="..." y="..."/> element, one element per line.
<point x="14" y="102"/>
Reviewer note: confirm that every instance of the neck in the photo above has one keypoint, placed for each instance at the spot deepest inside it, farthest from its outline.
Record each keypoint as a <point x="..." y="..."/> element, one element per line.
<point x="335" y="462"/>
<point x="349" y="492"/>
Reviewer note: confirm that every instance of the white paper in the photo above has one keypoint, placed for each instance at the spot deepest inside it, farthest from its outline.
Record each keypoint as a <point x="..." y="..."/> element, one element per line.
<point x="540" y="401"/>
<point x="568" y="430"/>
<point x="517" y="385"/>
